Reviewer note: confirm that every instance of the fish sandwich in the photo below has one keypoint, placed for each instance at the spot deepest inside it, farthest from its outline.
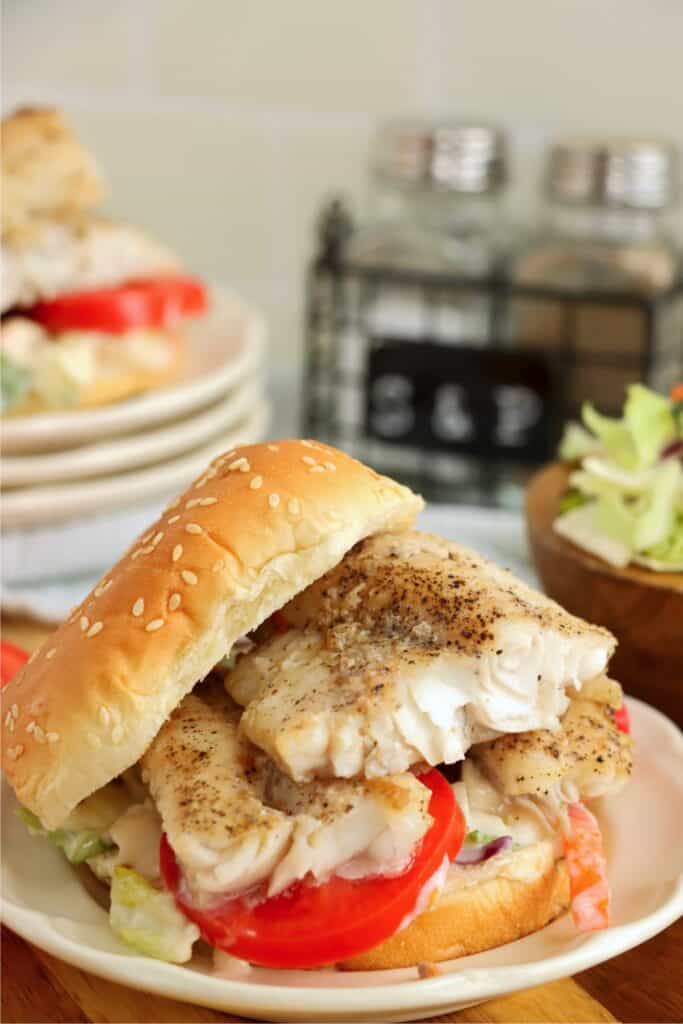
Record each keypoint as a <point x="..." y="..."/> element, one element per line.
<point x="290" y="725"/>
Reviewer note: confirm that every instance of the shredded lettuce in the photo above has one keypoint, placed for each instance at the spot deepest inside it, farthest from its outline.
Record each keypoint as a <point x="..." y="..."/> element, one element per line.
<point x="625" y="502"/>
<point x="15" y="382"/>
<point x="478" y="838"/>
<point x="77" y="846"/>
<point x="572" y="499"/>
<point x="650" y="422"/>
<point x="148" y="920"/>
<point x="577" y="442"/>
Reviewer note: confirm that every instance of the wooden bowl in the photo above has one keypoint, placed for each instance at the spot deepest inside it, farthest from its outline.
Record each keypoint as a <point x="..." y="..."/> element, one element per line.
<point x="643" y="609"/>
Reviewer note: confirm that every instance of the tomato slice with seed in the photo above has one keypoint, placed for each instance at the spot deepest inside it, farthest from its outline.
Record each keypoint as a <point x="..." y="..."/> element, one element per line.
<point x="622" y="719"/>
<point x="153" y="303"/>
<point x="11" y="660"/>
<point x="310" y="925"/>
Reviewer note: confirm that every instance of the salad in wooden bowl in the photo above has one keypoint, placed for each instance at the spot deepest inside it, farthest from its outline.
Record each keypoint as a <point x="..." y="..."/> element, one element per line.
<point x="605" y="527"/>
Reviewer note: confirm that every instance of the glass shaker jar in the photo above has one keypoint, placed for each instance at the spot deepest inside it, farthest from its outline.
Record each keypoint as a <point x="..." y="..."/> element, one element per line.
<point x="603" y="243"/>
<point x="433" y="209"/>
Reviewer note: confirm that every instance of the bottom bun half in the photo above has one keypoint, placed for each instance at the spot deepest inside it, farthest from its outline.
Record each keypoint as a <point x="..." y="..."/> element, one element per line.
<point x="477" y="910"/>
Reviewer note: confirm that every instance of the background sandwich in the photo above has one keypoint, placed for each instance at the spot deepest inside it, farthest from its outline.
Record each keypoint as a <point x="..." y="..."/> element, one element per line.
<point x="290" y="725"/>
<point x="93" y="311"/>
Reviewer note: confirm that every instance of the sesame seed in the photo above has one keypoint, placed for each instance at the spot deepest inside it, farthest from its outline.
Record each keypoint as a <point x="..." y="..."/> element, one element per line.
<point x="96" y="628"/>
<point x="238" y="463"/>
<point x="205" y="502"/>
<point x="189" y="577"/>
<point x="331" y="466"/>
<point x="51" y="653"/>
<point x="193" y="528"/>
<point x="273" y="500"/>
<point x="104" y="585"/>
<point x="308" y="459"/>
<point x="136" y="554"/>
<point x="52" y="737"/>
<point x="146" y="539"/>
<point x="172" y="520"/>
<point x="256" y="482"/>
<point x="152" y="626"/>
<point x="157" y="537"/>
<point x="33" y="657"/>
<point x="317" y="469"/>
<point x="94" y="740"/>
<point x="211" y="473"/>
<point x="139" y="607"/>
<point x="9" y="721"/>
<point x="307" y="444"/>
<point x="217" y="566"/>
<point x="14" y="752"/>
<point x="84" y="623"/>
<point x="174" y="504"/>
<point x="177" y="552"/>
<point x="38" y="735"/>
<point x="273" y="448"/>
<point x="192" y="502"/>
<point x="104" y="715"/>
<point x="117" y="734"/>
<point x="30" y="727"/>
<point x="147" y="549"/>
<point x="14" y="711"/>
<point x="174" y="602"/>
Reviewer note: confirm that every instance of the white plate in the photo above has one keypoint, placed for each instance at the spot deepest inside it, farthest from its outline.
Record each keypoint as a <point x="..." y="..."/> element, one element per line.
<point x="55" y="502"/>
<point x="225" y="346"/>
<point x="46" y="904"/>
<point x="133" y="450"/>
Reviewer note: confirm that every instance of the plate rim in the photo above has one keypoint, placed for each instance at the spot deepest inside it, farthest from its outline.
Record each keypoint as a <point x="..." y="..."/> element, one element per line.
<point x="431" y="994"/>
<point x="216" y="416"/>
<point x="246" y="431"/>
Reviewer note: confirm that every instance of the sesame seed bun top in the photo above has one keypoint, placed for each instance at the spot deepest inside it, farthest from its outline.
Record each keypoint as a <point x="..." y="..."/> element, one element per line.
<point x="262" y="523"/>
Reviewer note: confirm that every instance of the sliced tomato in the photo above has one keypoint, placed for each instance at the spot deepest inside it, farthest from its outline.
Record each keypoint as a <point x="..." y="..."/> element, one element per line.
<point x="153" y="303"/>
<point x="11" y="660"/>
<point x="309" y="925"/>
<point x="587" y="866"/>
<point x="621" y="719"/>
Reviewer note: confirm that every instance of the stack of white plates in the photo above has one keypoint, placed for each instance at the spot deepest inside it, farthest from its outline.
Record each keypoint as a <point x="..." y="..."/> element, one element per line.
<point x="75" y="483"/>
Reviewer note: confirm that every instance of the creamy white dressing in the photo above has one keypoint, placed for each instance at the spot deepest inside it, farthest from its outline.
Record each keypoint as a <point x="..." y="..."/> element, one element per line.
<point x="137" y="834"/>
<point x="431" y="887"/>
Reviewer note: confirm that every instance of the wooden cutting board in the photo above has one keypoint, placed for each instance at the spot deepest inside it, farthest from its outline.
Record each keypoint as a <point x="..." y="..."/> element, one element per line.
<point x="641" y="985"/>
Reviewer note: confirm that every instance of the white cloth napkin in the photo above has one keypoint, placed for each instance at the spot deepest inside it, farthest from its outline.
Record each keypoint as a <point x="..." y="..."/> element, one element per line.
<point x="94" y="544"/>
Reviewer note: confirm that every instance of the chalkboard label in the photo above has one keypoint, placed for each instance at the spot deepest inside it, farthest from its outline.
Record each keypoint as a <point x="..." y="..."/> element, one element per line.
<point x="492" y="403"/>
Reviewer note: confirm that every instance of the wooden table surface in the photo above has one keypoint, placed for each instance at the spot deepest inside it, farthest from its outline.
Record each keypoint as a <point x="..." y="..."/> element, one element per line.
<point x="645" y="984"/>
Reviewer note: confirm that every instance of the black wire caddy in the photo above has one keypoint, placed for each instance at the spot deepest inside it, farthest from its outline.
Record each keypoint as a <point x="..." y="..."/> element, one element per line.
<point x="464" y="420"/>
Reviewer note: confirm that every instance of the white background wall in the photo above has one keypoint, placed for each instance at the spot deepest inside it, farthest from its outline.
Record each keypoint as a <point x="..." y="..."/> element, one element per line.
<point x="222" y="124"/>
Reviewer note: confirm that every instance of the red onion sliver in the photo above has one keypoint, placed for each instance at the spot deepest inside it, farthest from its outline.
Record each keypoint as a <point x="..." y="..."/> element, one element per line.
<point x="478" y="854"/>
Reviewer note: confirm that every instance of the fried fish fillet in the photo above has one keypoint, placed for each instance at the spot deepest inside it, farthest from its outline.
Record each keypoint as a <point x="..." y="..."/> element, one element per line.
<point x="587" y="750"/>
<point x="410" y="650"/>
<point x="76" y="253"/>
<point x="234" y="821"/>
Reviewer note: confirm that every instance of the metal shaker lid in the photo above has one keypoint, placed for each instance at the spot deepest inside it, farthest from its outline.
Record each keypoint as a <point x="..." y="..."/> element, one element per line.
<point x="462" y="157"/>
<point x="636" y="173"/>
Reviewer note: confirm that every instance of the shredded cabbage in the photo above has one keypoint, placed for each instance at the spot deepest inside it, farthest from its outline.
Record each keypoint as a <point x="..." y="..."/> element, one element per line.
<point x="625" y="502"/>
<point x="77" y="846"/>
<point x="148" y="919"/>
<point x="15" y="382"/>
